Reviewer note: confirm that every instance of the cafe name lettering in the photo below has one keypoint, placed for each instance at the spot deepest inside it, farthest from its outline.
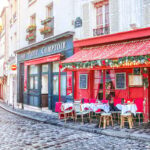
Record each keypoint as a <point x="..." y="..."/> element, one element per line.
<point x="43" y="51"/>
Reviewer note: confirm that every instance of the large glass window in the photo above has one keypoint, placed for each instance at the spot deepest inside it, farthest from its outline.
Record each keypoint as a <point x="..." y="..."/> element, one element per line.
<point x="55" y="84"/>
<point x="63" y="85"/>
<point x="44" y="89"/>
<point x="33" y="77"/>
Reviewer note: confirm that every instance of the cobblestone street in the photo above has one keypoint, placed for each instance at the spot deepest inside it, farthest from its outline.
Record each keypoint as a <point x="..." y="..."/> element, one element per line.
<point x="19" y="133"/>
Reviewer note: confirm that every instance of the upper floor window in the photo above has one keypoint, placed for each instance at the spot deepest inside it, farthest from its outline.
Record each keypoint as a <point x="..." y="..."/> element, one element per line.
<point x="102" y="18"/>
<point x="49" y="11"/>
<point x="33" y="19"/>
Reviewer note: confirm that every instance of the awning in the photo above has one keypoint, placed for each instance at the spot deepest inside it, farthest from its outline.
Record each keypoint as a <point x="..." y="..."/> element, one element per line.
<point x="111" y="51"/>
<point x="45" y="59"/>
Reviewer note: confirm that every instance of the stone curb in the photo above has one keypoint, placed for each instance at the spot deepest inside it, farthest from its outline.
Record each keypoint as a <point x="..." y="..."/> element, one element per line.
<point x="118" y="134"/>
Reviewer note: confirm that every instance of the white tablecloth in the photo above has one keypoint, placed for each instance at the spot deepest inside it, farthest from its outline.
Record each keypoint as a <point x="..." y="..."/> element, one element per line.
<point x="95" y="106"/>
<point x="127" y="108"/>
<point x="67" y="105"/>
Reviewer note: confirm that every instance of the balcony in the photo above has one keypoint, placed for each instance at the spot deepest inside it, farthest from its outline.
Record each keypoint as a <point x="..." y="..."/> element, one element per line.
<point x="101" y="31"/>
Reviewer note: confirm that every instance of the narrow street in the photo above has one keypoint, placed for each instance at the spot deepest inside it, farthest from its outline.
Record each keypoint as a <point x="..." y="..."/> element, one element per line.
<point x="18" y="133"/>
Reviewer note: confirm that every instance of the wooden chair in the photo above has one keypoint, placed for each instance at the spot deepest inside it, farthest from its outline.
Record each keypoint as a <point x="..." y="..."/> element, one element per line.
<point x="127" y="117"/>
<point x="67" y="113"/>
<point x="105" y="118"/>
<point x="79" y="112"/>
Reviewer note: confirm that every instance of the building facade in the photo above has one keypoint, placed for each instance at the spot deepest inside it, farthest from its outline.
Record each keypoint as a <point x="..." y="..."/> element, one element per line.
<point x="45" y="39"/>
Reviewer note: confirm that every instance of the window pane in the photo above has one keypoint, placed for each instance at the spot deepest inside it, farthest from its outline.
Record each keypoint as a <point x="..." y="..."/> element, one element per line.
<point x="36" y="82"/>
<point x="63" y="85"/>
<point x="45" y="68"/>
<point x="44" y="89"/>
<point x="55" y="66"/>
<point x="31" y="82"/>
<point x="33" y="69"/>
<point x="55" y="85"/>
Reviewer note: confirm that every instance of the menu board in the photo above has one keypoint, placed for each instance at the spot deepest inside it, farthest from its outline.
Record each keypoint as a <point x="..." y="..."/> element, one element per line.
<point x="120" y="81"/>
<point x="83" y="81"/>
<point x="135" y="80"/>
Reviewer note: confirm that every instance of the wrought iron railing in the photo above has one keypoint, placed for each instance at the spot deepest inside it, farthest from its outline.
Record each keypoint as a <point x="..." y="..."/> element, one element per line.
<point x="101" y="31"/>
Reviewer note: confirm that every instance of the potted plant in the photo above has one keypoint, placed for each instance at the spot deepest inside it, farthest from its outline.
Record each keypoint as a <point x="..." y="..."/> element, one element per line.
<point x="31" y="28"/>
<point x="46" y="20"/>
<point x="45" y="30"/>
<point x="30" y="37"/>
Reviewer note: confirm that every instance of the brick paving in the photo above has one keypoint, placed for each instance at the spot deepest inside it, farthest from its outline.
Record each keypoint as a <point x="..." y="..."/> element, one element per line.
<point x="18" y="133"/>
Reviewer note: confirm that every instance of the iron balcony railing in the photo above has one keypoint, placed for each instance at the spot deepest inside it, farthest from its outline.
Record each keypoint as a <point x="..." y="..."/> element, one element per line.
<point x="101" y="31"/>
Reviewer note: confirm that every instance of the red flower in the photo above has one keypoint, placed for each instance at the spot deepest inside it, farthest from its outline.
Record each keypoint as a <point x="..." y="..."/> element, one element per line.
<point x="145" y="75"/>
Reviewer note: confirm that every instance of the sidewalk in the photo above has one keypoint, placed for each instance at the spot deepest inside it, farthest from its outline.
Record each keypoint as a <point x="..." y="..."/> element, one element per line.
<point x="141" y="132"/>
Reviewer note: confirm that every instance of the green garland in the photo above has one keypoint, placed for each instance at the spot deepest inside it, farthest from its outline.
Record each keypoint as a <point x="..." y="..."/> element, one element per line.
<point x="124" y="61"/>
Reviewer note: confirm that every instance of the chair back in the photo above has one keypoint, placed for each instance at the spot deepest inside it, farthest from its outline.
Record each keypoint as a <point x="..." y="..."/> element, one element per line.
<point x="117" y="101"/>
<point x="77" y="107"/>
<point x="139" y="104"/>
<point x="92" y="100"/>
<point x="58" y="106"/>
<point x="86" y="100"/>
<point x="104" y="101"/>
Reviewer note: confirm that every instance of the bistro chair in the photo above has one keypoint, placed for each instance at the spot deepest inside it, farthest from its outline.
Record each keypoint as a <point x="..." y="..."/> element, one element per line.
<point x="58" y="109"/>
<point x="68" y="113"/>
<point x="139" y="104"/>
<point x="86" y="100"/>
<point x="105" y="118"/>
<point x="116" y="114"/>
<point x="78" y="111"/>
<point x="93" y="100"/>
<point x="127" y="117"/>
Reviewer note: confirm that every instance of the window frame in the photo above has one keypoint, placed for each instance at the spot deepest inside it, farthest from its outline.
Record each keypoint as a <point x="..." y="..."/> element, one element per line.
<point x="124" y="81"/>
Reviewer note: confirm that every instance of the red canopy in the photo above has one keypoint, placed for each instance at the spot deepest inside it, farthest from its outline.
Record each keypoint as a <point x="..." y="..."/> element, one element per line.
<point x="111" y="51"/>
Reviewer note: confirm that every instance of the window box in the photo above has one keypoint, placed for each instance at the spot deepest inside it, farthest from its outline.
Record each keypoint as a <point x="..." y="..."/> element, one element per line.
<point x="45" y="21"/>
<point x="45" y="30"/>
<point x="30" y="37"/>
<point x="31" y="28"/>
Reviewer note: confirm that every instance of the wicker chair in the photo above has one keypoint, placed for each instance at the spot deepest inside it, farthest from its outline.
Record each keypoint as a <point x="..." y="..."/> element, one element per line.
<point x="79" y="112"/>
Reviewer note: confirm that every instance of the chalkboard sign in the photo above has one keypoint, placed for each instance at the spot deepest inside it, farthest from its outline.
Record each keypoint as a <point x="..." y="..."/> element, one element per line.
<point x="120" y="80"/>
<point x="83" y="81"/>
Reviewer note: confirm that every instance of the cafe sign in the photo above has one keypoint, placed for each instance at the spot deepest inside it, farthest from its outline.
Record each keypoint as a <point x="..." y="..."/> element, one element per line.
<point x="43" y="51"/>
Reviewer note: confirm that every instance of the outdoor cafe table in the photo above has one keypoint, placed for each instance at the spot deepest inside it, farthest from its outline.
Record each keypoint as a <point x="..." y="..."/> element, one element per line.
<point x="95" y="106"/>
<point x="91" y="106"/>
<point x="127" y="108"/>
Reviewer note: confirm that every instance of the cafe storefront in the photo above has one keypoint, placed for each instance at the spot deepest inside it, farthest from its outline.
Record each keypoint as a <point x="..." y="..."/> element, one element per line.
<point x="115" y="65"/>
<point x="38" y="72"/>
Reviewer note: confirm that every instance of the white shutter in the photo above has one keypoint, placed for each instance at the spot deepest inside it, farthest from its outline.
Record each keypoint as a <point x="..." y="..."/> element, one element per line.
<point x="114" y="15"/>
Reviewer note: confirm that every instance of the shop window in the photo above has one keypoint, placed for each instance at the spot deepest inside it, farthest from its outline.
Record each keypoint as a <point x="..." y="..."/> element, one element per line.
<point x="44" y="89"/>
<point x="63" y="85"/>
<point x="33" y="69"/>
<point x="120" y="80"/>
<point x="45" y="68"/>
<point x="55" y="84"/>
<point x="102" y="18"/>
<point x="33" y="77"/>
<point x="55" y="66"/>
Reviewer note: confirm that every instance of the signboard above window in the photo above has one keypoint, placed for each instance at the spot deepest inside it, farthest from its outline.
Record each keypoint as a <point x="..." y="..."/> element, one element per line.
<point x="83" y="81"/>
<point x="135" y="80"/>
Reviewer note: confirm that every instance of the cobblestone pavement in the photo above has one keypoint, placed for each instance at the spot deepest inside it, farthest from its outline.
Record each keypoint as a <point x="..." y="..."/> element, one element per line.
<point x="17" y="133"/>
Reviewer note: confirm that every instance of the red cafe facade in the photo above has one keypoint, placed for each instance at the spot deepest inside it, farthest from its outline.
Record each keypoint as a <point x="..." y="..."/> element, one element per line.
<point x="112" y="65"/>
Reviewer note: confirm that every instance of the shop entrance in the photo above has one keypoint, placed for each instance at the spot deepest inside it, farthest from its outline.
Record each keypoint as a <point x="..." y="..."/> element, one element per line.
<point x="104" y="81"/>
<point x="44" y="86"/>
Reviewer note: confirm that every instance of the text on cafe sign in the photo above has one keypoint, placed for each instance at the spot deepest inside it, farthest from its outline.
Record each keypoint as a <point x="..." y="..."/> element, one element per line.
<point x="49" y="49"/>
